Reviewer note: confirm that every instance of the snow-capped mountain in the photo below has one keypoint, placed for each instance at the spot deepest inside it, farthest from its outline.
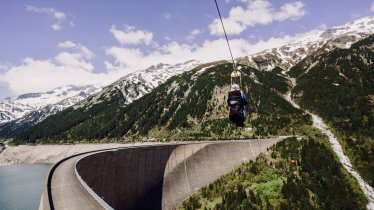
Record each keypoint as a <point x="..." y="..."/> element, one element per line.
<point x="27" y="106"/>
<point x="132" y="86"/>
<point x="137" y="84"/>
<point x="38" y="115"/>
<point x="34" y="107"/>
<point x="56" y="100"/>
<point x="292" y="53"/>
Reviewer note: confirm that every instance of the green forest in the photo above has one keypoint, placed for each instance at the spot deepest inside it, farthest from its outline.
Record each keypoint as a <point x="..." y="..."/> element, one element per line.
<point x="191" y="106"/>
<point x="337" y="85"/>
<point x="340" y="89"/>
<point x="315" y="180"/>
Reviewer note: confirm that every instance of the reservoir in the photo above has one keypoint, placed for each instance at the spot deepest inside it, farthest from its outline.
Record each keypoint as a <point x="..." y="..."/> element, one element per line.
<point x="21" y="186"/>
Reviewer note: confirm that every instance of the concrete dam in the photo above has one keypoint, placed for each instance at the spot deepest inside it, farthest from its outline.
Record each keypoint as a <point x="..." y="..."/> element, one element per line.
<point x="157" y="176"/>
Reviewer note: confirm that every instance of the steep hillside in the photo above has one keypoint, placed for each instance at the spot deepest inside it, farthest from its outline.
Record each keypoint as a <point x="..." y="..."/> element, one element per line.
<point x="315" y="181"/>
<point x="132" y="87"/>
<point x="188" y="106"/>
<point x="139" y="83"/>
<point x="8" y="129"/>
<point x="29" y="109"/>
<point x="18" y="107"/>
<point x="135" y="85"/>
<point x="339" y="87"/>
<point x="321" y="40"/>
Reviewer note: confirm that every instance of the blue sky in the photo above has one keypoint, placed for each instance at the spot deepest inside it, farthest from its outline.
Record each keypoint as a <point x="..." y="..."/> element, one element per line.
<point x="46" y="44"/>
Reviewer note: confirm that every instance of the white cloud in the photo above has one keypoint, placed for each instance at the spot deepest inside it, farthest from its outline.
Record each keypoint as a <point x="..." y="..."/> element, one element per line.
<point x="56" y="27"/>
<point x="372" y="7"/>
<point x="74" y="61"/>
<point x="67" y="44"/>
<point x="71" y="66"/>
<point x="131" y="36"/>
<point x="83" y="51"/>
<point x="231" y="27"/>
<point x="257" y="12"/>
<point x="166" y="16"/>
<point x="77" y="58"/>
<point x="4" y="66"/>
<point x="43" y="75"/>
<point x="131" y="59"/>
<point x="193" y="33"/>
<point x="292" y="11"/>
<point x="58" y="16"/>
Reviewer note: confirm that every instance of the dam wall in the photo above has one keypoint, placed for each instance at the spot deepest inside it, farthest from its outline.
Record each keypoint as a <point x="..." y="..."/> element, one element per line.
<point x="162" y="176"/>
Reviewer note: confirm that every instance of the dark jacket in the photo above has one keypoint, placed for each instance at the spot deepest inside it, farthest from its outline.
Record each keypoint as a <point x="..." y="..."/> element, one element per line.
<point x="236" y="100"/>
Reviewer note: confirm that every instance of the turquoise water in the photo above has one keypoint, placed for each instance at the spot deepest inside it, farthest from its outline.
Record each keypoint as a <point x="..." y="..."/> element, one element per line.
<point x="21" y="186"/>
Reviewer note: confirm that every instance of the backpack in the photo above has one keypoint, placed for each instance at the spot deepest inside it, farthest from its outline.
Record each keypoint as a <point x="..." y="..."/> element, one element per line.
<point x="236" y="114"/>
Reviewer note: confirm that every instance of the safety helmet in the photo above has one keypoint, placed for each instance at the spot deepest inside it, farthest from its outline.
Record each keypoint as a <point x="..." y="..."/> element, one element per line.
<point x="235" y="87"/>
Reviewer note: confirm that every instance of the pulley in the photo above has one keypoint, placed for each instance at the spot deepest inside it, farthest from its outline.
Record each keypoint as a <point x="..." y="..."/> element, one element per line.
<point x="236" y="77"/>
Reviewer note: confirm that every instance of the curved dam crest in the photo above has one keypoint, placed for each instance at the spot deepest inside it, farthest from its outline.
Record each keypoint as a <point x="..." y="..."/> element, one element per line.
<point x="157" y="176"/>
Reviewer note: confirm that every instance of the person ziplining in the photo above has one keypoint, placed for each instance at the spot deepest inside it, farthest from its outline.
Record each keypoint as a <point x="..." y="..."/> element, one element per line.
<point x="236" y="99"/>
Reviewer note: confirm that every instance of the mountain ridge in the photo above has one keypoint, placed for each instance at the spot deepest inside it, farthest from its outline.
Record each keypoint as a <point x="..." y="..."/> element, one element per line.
<point x="141" y="82"/>
<point x="15" y="108"/>
<point x="290" y="54"/>
<point x="181" y="103"/>
<point x="132" y="86"/>
<point x="339" y="87"/>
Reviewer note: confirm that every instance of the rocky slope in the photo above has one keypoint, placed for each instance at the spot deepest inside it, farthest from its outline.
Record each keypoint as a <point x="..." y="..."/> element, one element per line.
<point x="324" y="40"/>
<point x="29" y="109"/>
<point x="137" y="84"/>
<point x="339" y="87"/>
<point x="16" y="108"/>
<point x="188" y="106"/>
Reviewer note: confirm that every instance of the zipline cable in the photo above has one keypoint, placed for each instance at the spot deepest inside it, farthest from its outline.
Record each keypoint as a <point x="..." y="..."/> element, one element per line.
<point x="227" y="40"/>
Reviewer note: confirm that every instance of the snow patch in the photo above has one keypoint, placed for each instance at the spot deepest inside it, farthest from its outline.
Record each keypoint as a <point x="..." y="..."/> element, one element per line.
<point x="290" y="54"/>
<point x="311" y="66"/>
<point x="16" y="108"/>
<point x="199" y="72"/>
